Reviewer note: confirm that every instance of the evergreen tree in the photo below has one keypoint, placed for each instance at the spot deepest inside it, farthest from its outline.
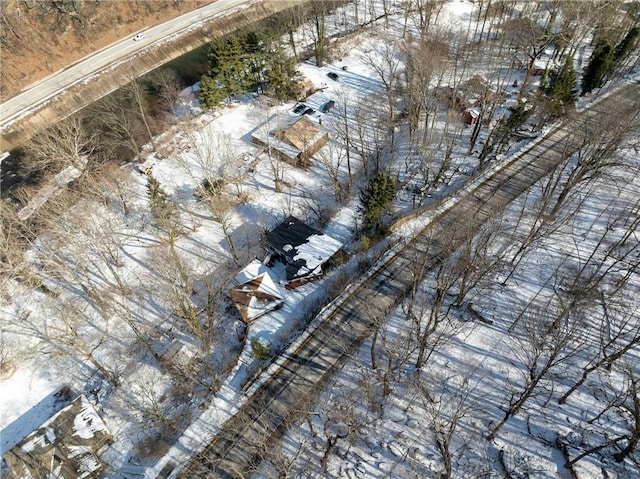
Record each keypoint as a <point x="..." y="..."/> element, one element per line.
<point x="375" y="199"/>
<point x="227" y="73"/>
<point x="162" y="210"/>
<point x="228" y="60"/>
<point x="505" y="127"/>
<point x="261" y="349"/>
<point x="283" y="79"/>
<point x="600" y="65"/>
<point x="259" y="53"/>
<point x="561" y="86"/>
<point x="606" y="59"/>
<point x="211" y="93"/>
<point x="248" y="61"/>
<point x="626" y="46"/>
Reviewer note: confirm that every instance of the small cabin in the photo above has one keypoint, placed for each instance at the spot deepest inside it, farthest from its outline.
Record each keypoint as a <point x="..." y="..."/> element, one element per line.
<point x="293" y="142"/>
<point x="470" y="116"/>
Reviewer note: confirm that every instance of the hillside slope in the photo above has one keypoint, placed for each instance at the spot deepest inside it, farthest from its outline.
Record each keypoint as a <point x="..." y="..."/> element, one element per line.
<point x="38" y="38"/>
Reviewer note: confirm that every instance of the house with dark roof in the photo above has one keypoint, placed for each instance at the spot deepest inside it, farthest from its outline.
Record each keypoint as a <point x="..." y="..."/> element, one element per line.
<point x="66" y="446"/>
<point x="302" y="249"/>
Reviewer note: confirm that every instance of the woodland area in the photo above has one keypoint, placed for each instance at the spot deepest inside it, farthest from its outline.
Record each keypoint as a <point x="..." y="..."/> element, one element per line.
<point x="116" y="285"/>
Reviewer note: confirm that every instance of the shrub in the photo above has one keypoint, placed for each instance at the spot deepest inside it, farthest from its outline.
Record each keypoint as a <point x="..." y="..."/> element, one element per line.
<point x="261" y="349"/>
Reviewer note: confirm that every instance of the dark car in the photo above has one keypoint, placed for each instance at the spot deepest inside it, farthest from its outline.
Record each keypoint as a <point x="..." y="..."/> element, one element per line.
<point x="309" y="111"/>
<point x="328" y="106"/>
<point x="333" y="76"/>
<point x="299" y="108"/>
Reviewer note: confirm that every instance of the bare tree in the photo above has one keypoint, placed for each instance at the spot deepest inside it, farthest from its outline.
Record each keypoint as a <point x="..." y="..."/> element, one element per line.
<point x="341" y="131"/>
<point x="223" y="208"/>
<point x="385" y="59"/>
<point x="176" y="285"/>
<point x="331" y="157"/>
<point x="448" y="401"/>
<point x="160" y="410"/>
<point x="596" y="155"/>
<point x="625" y="402"/>
<point x="424" y="59"/>
<point x="202" y="160"/>
<point x="136" y="92"/>
<point x="116" y="119"/>
<point x="632" y="407"/>
<point x="427" y="12"/>
<point x="319" y="32"/>
<point x="475" y="262"/>
<point x="618" y="336"/>
<point x="75" y="332"/>
<point x="605" y="272"/>
<point x="426" y="308"/>
<point x="235" y="169"/>
<point x="542" y="346"/>
<point x="167" y="87"/>
<point x="529" y="36"/>
<point x="14" y="241"/>
<point x="67" y="143"/>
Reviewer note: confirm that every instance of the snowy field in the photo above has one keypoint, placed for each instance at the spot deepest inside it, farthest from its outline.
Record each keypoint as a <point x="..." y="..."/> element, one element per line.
<point x="98" y="313"/>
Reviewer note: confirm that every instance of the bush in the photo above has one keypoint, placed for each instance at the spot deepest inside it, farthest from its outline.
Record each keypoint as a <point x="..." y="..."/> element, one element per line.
<point x="211" y="187"/>
<point x="261" y="349"/>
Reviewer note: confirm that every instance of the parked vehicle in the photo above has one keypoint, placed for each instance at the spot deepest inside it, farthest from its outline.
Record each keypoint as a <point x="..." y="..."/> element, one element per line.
<point x="299" y="108"/>
<point x="333" y="76"/>
<point x="328" y="106"/>
<point x="309" y="111"/>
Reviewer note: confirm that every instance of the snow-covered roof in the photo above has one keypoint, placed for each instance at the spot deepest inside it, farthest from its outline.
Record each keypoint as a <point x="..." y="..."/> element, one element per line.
<point x="304" y="248"/>
<point x="290" y="139"/>
<point x="64" y="447"/>
<point x="255" y="292"/>
<point x="300" y="134"/>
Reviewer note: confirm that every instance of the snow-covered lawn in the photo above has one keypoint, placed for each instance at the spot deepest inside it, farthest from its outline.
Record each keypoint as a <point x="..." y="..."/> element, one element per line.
<point x="99" y="312"/>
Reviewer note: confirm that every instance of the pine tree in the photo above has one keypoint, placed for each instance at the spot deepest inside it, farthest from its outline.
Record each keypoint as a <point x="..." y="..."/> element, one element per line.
<point x="230" y="65"/>
<point x="606" y="59"/>
<point x="259" y="52"/>
<point x="505" y="127"/>
<point x="248" y="61"/>
<point x="283" y="79"/>
<point x="599" y="67"/>
<point x="162" y="210"/>
<point x="626" y="46"/>
<point x="375" y="199"/>
<point x="227" y="73"/>
<point x="211" y="93"/>
<point x="561" y="86"/>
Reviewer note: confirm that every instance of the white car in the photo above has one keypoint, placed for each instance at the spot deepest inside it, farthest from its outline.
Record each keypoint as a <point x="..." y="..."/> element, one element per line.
<point x="139" y="36"/>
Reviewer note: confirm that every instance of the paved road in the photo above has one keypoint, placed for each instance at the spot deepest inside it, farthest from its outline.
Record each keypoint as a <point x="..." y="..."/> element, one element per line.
<point x="309" y="363"/>
<point x="35" y="95"/>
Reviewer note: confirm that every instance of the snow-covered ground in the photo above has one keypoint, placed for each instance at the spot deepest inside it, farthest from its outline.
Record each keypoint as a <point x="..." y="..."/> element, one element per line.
<point x="104" y="282"/>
